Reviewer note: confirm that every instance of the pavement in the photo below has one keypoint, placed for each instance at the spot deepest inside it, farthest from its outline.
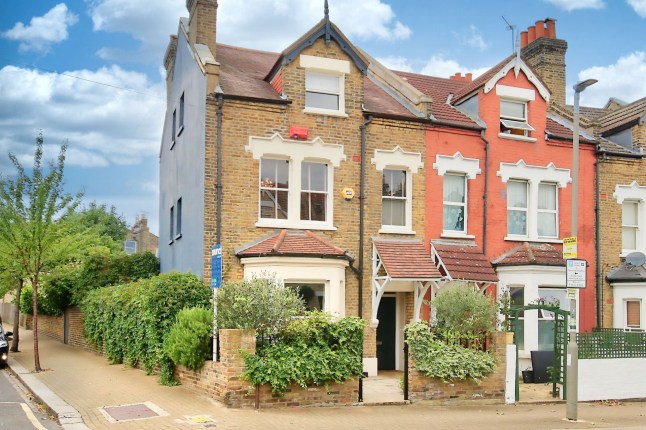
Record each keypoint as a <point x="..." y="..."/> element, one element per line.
<point x="84" y="392"/>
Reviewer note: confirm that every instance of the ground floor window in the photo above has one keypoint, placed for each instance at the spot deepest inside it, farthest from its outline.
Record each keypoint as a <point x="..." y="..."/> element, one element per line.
<point x="633" y="314"/>
<point x="517" y="298"/>
<point x="549" y="296"/>
<point x="313" y="295"/>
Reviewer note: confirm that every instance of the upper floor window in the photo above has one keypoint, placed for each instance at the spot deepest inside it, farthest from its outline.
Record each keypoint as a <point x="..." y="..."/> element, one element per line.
<point x="130" y="246"/>
<point x="314" y="191"/>
<point x="547" y="210"/>
<point x="532" y="200"/>
<point x="629" y="225"/>
<point x="172" y="224"/>
<point x="178" y="216"/>
<point x="296" y="182"/>
<point x="513" y="118"/>
<point x="393" y="198"/>
<point x="324" y="84"/>
<point x="274" y="188"/>
<point x="181" y="115"/>
<point x="455" y="203"/>
<point x="173" y="129"/>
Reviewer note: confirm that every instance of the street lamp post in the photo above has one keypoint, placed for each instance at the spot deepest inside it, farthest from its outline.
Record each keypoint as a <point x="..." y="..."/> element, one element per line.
<point x="573" y="350"/>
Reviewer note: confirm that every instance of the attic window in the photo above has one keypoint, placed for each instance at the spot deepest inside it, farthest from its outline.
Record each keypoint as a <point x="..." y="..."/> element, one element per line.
<point x="324" y="85"/>
<point x="513" y="118"/>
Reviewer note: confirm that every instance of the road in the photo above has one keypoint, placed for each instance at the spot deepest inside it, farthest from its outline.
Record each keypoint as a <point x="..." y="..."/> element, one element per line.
<point x="17" y="411"/>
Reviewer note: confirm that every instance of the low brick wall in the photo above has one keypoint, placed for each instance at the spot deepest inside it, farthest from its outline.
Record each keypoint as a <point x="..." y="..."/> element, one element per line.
<point x="490" y="388"/>
<point x="223" y="380"/>
<point x="52" y="326"/>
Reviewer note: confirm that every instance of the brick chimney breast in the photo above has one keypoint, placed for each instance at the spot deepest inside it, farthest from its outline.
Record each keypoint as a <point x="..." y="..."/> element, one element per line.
<point x="202" y="20"/>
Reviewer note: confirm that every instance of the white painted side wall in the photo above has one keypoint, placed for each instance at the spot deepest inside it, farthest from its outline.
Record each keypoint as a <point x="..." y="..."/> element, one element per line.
<point x="182" y="167"/>
<point x="510" y="375"/>
<point x="621" y="292"/>
<point x="616" y="378"/>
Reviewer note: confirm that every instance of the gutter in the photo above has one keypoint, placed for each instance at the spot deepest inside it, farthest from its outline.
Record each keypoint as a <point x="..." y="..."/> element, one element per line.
<point x="259" y="99"/>
<point x="421" y="120"/>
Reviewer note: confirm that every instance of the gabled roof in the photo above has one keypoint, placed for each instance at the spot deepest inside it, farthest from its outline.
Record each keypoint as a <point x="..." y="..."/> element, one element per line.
<point x="623" y="117"/>
<point x="292" y="243"/>
<point x="561" y="128"/>
<point x="439" y="90"/>
<point x="406" y="259"/>
<point x="530" y="254"/>
<point x="463" y="260"/>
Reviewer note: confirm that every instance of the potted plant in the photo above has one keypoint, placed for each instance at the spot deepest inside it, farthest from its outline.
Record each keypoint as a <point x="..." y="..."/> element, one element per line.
<point x="528" y="376"/>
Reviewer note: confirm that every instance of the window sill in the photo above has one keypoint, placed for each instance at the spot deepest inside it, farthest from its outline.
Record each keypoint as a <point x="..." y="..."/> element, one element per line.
<point x="179" y="132"/>
<point x="172" y="144"/>
<point x="532" y="239"/>
<point x="456" y="235"/>
<point x="327" y="112"/>
<point x="295" y="225"/>
<point x="516" y="137"/>
<point x="179" y="236"/>
<point x="395" y="230"/>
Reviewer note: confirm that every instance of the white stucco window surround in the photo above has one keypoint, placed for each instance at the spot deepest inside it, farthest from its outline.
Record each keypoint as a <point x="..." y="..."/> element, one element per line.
<point x="469" y="168"/>
<point x="625" y="292"/>
<point x="537" y="178"/>
<point x="632" y="198"/>
<point x="387" y="161"/>
<point x="299" y="154"/>
<point x="291" y="270"/>
<point x="324" y="85"/>
<point x="537" y="282"/>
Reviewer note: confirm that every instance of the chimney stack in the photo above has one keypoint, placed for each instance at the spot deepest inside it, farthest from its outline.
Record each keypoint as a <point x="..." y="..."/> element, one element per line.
<point x="202" y="20"/>
<point x="468" y="77"/>
<point x="545" y="54"/>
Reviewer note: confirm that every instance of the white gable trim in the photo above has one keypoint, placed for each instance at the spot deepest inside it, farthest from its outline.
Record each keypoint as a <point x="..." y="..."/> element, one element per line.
<point x="518" y="64"/>
<point x="457" y="163"/>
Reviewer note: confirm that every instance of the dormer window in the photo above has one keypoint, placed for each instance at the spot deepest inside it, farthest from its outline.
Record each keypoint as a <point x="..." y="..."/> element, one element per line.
<point x="513" y="118"/>
<point x="324" y="85"/>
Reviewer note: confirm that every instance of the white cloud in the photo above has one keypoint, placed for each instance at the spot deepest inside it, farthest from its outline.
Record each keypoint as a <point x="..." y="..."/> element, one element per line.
<point x="441" y="67"/>
<point x="150" y="24"/>
<point x="623" y="80"/>
<point x="639" y="6"/>
<point x="570" y="5"/>
<point x="252" y="24"/>
<point x="396" y="63"/>
<point x="104" y="125"/>
<point x="472" y="38"/>
<point x="43" y="31"/>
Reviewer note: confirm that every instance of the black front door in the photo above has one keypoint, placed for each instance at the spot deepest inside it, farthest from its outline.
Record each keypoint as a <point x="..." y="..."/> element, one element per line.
<point x="386" y="333"/>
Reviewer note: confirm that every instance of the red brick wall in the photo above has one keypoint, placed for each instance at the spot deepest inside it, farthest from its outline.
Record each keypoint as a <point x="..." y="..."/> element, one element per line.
<point x="421" y="387"/>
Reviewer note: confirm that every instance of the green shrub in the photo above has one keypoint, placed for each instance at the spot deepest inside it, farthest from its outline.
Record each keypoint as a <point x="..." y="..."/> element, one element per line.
<point x="448" y="362"/>
<point x="129" y="322"/>
<point x="188" y="341"/>
<point x="263" y="304"/>
<point x="462" y="310"/>
<point x="310" y="350"/>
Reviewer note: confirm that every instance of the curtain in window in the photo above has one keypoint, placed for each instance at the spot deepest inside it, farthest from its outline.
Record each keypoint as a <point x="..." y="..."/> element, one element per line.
<point x="547" y="215"/>
<point x="633" y="317"/>
<point x="322" y="91"/>
<point x="517" y="207"/>
<point x="454" y="202"/>
<point x="274" y="188"/>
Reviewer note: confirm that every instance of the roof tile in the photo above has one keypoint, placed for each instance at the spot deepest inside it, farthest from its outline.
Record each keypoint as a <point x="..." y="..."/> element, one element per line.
<point x="292" y="243"/>
<point x="464" y="260"/>
<point x="406" y="259"/>
<point x="531" y="253"/>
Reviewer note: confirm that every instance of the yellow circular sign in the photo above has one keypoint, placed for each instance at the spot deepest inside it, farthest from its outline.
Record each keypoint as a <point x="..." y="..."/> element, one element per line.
<point x="348" y="193"/>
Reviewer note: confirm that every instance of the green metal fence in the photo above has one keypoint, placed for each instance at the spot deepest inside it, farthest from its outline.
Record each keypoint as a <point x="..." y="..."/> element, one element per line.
<point x="611" y="344"/>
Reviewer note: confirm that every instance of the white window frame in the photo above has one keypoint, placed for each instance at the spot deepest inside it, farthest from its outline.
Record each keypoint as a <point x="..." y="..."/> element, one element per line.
<point x="554" y="211"/>
<point x="636" y="193"/>
<point x="406" y="198"/>
<point x="410" y="162"/>
<point x="534" y="175"/>
<point x="310" y="192"/>
<point x="635" y="228"/>
<point x="178" y="219"/>
<point x="297" y="152"/>
<point x="130" y="242"/>
<point x="520" y="96"/>
<point x="181" y="115"/>
<point x="463" y="205"/>
<point x="519" y="209"/>
<point x="262" y="187"/>
<point x="325" y="67"/>
<point x="173" y="136"/>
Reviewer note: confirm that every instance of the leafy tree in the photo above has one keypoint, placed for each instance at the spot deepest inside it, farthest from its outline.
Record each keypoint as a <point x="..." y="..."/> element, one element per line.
<point x="33" y="213"/>
<point x="463" y="310"/>
<point x="106" y="220"/>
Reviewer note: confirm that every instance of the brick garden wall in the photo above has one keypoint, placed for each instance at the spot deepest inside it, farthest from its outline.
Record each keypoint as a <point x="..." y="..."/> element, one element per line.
<point x="492" y="387"/>
<point x="54" y="326"/>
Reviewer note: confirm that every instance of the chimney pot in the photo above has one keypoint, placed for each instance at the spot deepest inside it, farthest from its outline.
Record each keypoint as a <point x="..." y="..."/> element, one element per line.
<point x="551" y="28"/>
<point x="531" y="34"/>
<point x="540" y="29"/>
<point x="469" y="77"/>
<point x="523" y="39"/>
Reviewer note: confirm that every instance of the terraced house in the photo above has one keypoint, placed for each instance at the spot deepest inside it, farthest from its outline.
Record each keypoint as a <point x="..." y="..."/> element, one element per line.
<point x="367" y="188"/>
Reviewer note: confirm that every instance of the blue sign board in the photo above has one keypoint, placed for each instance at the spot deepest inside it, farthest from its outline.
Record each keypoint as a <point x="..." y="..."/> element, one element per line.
<point x="216" y="266"/>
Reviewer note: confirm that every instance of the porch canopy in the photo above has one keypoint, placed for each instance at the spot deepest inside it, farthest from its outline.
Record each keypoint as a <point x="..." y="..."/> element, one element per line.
<point x="401" y="265"/>
<point x="463" y="260"/>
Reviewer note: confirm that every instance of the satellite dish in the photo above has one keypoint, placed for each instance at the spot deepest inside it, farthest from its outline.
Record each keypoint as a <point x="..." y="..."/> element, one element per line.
<point x="636" y="259"/>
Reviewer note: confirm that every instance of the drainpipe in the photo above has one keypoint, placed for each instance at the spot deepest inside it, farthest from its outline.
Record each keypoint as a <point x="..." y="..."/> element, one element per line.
<point x="597" y="240"/>
<point x="362" y="184"/>
<point x="218" y="181"/>
<point x="486" y="193"/>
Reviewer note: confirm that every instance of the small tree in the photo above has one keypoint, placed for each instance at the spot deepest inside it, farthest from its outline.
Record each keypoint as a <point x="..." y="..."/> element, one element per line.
<point x="263" y="304"/>
<point x="32" y="214"/>
<point x="187" y="342"/>
<point x="461" y="309"/>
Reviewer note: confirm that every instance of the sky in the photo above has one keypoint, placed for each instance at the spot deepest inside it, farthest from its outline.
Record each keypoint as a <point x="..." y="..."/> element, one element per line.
<point x="90" y="73"/>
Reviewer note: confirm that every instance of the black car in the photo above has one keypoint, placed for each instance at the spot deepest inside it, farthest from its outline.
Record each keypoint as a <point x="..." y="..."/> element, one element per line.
<point x="5" y="337"/>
